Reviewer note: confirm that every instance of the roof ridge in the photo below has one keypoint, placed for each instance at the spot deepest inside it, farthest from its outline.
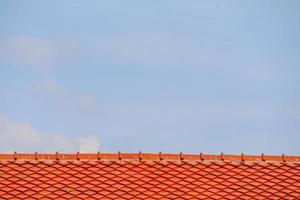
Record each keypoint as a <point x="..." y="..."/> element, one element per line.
<point x="148" y="157"/>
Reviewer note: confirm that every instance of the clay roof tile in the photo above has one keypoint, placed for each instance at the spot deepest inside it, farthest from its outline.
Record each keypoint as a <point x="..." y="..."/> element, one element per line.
<point x="148" y="176"/>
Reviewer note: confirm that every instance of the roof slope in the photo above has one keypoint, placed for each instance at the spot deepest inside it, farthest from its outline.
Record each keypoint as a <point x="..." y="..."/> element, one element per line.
<point x="148" y="176"/>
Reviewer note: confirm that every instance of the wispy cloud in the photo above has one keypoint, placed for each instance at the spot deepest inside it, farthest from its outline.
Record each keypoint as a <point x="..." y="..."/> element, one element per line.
<point x="88" y="103"/>
<point x="37" y="52"/>
<point x="148" y="48"/>
<point x="27" y="50"/>
<point x="49" y="87"/>
<point x="89" y="144"/>
<point x="16" y="136"/>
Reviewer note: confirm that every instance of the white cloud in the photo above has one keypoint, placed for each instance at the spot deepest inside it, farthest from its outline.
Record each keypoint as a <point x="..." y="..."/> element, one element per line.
<point x="148" y="48"/>
<point x="89" y="144"/>
<point x="17" y="134"/>
<point x="28" y="50"/>
<point x="37" y="52"/>
<point x="22" y="137"/>
<point x="49" y="87"/>
<point x="88" y="103"/>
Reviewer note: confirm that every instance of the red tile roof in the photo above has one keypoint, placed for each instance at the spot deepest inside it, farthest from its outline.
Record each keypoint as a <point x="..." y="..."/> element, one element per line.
<point x="148" y="176"/>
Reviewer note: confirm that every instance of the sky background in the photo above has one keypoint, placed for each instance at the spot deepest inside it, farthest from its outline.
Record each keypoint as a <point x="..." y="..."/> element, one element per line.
<point x="170" y="76"/>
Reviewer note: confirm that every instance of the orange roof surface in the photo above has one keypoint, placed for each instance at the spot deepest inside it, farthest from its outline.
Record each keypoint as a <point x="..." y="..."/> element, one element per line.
<point x="148" y="176"/>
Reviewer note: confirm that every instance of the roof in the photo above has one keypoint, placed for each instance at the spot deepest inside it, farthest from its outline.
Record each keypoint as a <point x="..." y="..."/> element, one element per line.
<point x="148" y="176"/>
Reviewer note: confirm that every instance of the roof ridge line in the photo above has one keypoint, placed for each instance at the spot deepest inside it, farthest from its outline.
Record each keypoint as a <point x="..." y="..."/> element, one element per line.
<point x="147" y="157"/>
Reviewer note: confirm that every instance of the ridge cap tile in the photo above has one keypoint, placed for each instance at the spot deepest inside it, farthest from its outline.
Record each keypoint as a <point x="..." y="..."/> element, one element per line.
<point x="129" y="157"/>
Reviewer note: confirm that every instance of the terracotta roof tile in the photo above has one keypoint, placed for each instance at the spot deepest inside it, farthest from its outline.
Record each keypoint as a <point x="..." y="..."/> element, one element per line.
<point x="148" y="176"/>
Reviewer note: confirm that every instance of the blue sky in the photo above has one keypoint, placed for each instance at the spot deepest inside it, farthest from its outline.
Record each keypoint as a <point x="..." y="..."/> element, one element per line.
<point x="171" y="76"/>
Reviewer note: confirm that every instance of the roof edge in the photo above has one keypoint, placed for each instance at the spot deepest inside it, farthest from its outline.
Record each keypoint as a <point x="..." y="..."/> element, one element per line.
<point x="147" y="157"/>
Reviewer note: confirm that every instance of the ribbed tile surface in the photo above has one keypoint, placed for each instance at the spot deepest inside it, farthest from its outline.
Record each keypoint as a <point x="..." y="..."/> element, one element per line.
<point x="148" y="180"/>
